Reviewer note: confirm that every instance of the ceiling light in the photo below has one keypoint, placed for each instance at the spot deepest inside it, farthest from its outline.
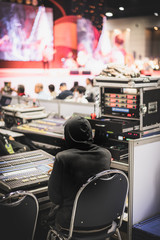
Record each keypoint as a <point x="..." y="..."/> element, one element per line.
<point x="156" y="14"/>
<point x="121" y="8"/>
<point x="155" y="28"/>
<point x="117" y="31"/>
<point x="109" y="14"/>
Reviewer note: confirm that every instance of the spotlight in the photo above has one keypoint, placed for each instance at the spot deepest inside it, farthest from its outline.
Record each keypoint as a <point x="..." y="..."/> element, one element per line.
<point x="109" y="14"/>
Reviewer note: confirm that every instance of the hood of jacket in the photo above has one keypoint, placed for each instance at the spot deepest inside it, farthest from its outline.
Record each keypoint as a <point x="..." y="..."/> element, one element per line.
<point x="78" y="132"/>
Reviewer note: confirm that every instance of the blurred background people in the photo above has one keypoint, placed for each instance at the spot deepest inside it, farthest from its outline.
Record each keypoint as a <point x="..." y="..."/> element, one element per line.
<point x="91" y="91"/>
<point x="69" y="61"/>
<point x="21" y="90"/>
<point x="75" y="85"/>
<point x="40" y="94"/>
<point x="146" y="68"/>
<point x="64" y="92"/>
<point x="47" y="56"/>
<point x="7" y="89"/>
<point x="52" y="91"/>
<point x="78" y="95"/>
<point x="118" y="53"/>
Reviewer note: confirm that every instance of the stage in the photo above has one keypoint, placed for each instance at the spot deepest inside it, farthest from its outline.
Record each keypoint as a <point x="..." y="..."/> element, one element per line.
<point x="30" y="76"/>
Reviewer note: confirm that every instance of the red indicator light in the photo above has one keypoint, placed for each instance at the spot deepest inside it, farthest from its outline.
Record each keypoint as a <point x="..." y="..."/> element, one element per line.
<point x="113" y="95"/>
<point x="129" y="106"/>
<point x="129" y="115"/>
<point x="112" y="104"/>
<point x="113" y="100"/>
<point x="129" y="101"/>
<point x="130" y="96"/>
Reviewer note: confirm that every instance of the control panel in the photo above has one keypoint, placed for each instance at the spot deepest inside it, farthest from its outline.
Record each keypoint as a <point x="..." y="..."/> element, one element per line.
<point x="24" y="171"/>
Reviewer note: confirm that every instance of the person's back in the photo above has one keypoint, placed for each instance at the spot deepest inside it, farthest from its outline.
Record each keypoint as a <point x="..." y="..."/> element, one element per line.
<point x="64" y="92"/>
<point x="20" y="90"/>
<point x="51" y="88"/>
<point x="74" y="166"/>
<point x="75" y="85"/>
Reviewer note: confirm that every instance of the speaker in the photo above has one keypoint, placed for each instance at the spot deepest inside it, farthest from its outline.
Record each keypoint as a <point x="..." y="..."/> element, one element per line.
<point x="86" y="72"/>
<point x="74" y="72"/>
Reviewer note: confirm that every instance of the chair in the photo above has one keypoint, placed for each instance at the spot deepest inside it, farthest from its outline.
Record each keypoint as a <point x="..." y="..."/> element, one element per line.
<point x="98" y="208"/>
<point x="18" y="216"/>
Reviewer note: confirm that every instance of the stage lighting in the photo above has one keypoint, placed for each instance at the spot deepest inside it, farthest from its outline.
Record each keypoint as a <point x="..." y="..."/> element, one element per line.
<point x="34" y="2"/>
<point x="28" y="2"/>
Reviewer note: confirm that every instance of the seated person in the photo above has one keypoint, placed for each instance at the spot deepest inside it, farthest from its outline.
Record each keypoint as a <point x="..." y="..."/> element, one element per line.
<point x="40" y="94"/>
<point x="78" y="95"/>
<point x="73" y="166"/>
<point x="7" y="88"/>
<point x="75" y="85"/>
<point x="64" y="92"/>
<point x="20" y="90"/>
<point x="52" y="91"/>
<point x="91" y="91"/>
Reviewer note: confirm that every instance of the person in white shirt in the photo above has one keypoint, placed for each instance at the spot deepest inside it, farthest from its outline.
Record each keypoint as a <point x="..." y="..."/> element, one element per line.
<point x="78" y="95"/>
<point x="40" y="94"/>
<point x="91" y="91"/>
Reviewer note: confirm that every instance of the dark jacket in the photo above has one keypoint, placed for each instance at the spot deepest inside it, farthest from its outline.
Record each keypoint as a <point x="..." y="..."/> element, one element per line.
<point x="65" y="94"/>
<point x="72" y="167"/>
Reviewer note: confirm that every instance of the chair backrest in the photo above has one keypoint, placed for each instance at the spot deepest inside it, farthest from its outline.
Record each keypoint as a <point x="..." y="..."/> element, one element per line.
<point x="18" y="216"/>
<point x="100" y="201"/>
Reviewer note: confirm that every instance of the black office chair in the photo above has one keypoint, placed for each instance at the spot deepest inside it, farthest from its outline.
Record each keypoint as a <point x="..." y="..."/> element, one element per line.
<point x="98" y="208"/>
<point x="18" y="216"/>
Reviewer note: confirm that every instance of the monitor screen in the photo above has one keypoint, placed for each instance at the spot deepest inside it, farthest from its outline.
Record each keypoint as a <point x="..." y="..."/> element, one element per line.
<point x="25" y="31"/>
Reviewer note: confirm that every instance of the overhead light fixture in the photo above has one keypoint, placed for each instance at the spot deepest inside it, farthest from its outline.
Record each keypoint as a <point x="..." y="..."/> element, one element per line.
<point x="121" y="8"/>
<point x="117" y="31"/>
<point x="109" y="14"/>
<point x="155" y="28"/>
<point x="156" y="14"/>
<point x="128" y="29"/>
<point x="34" y="2"/>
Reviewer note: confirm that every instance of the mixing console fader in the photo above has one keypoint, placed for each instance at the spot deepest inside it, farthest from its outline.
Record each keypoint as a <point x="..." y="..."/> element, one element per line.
<point x="25" y="170"/>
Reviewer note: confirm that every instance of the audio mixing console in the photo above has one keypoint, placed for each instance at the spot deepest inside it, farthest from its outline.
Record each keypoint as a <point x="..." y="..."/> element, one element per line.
<point x="49" y="131"/>
<point x="24" y="171"/>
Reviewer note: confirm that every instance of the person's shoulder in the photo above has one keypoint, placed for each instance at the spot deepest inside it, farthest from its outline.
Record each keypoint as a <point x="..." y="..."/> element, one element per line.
<point x="60" y="95"/>
<point x="65" y="154"/>
<point x="68" y="92"/>
<point x="64" y="94"/>
<point x="103" y="150"/>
